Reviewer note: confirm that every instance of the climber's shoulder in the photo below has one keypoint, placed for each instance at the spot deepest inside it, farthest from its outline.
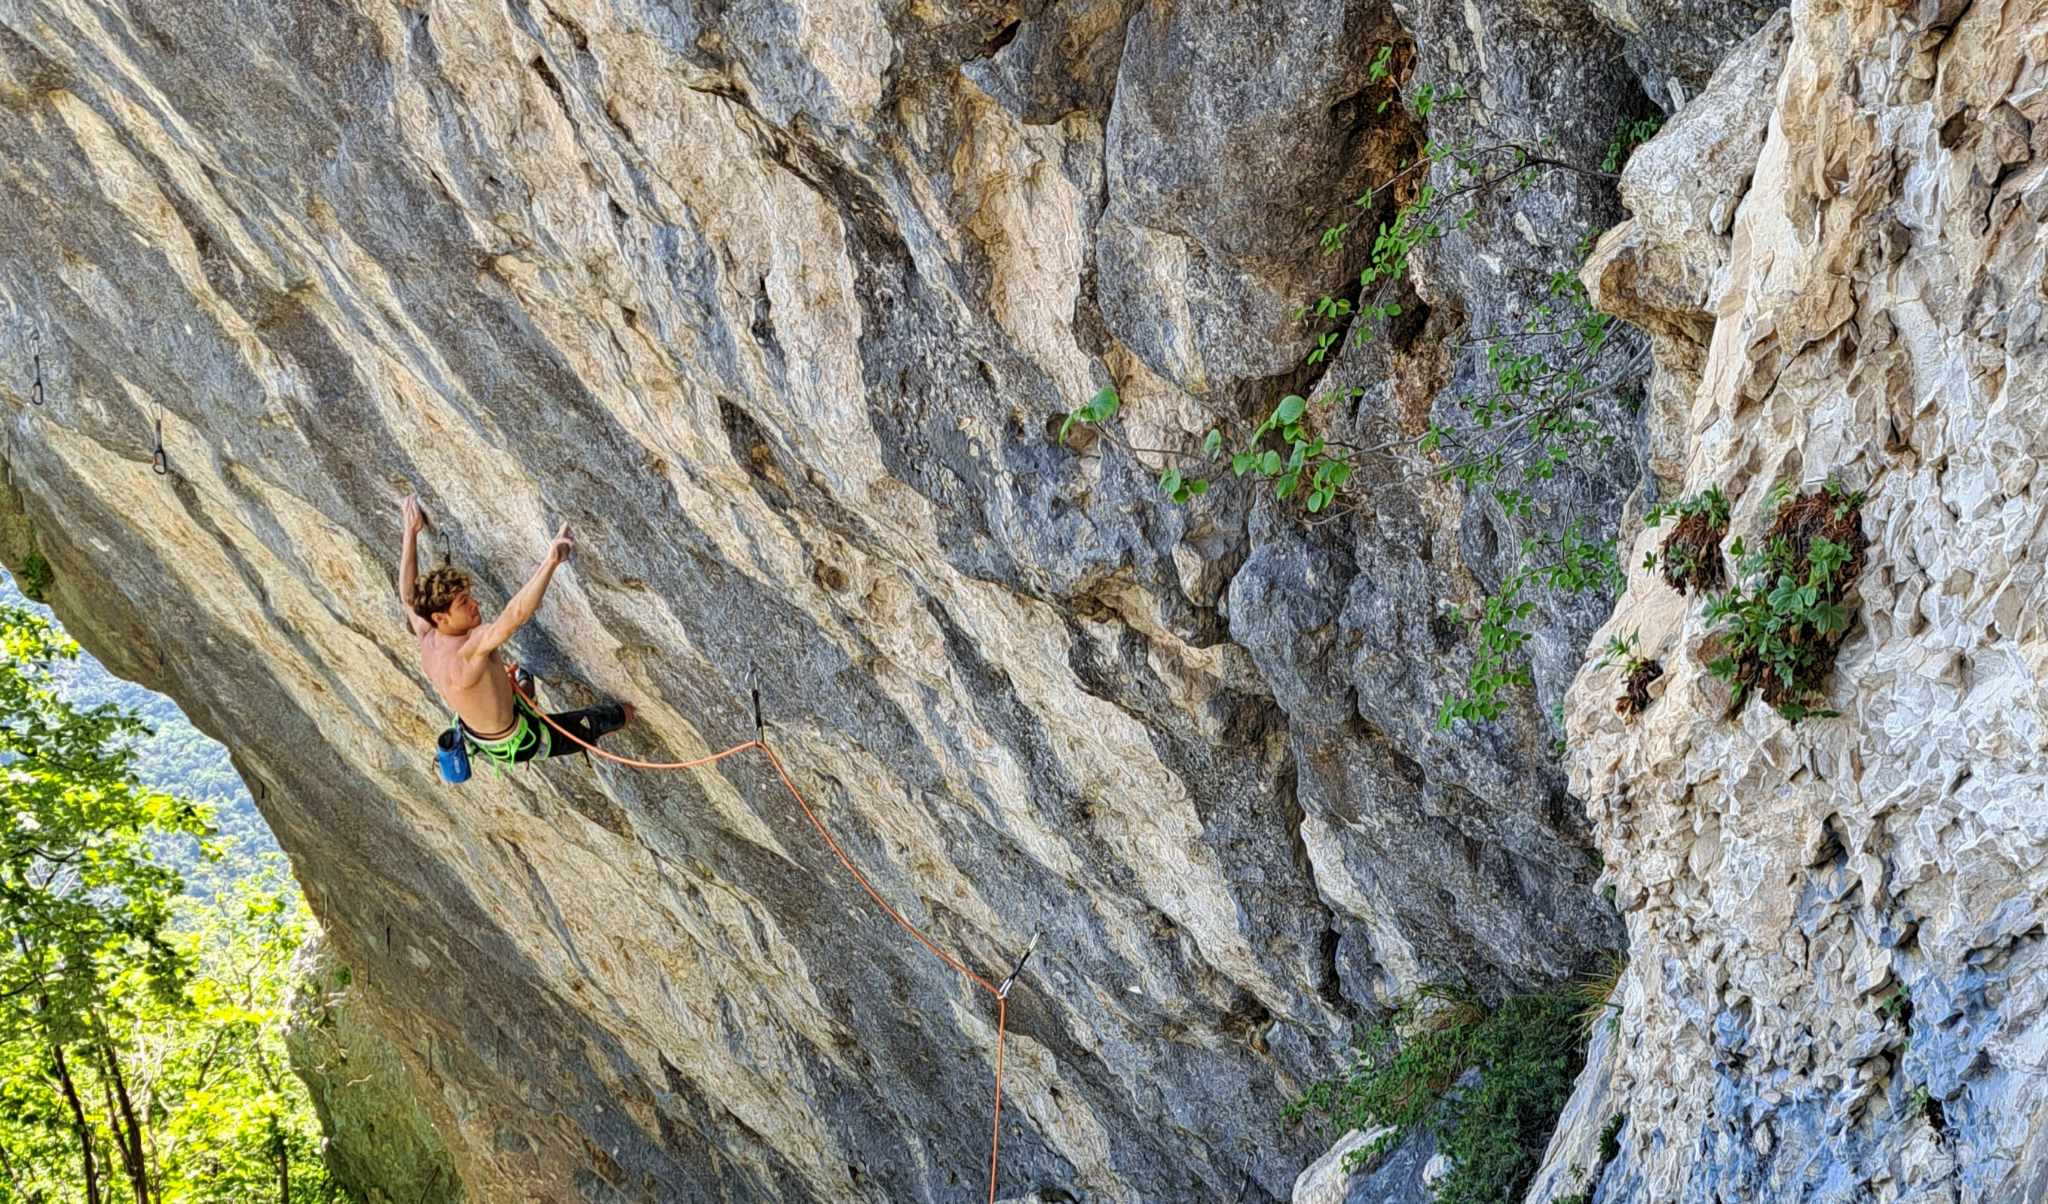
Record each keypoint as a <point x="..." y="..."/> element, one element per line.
<point x="452" y="660"/>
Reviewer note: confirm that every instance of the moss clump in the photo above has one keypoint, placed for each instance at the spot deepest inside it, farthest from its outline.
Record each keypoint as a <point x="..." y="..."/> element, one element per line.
<point x="1610" y="1148"/>
<point x="1784" y="624"/>
<point x="1527" y="1052"/>
<point x="1610" y="1140"/>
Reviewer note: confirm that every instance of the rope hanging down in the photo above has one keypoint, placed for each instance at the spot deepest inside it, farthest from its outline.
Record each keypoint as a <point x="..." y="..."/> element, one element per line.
<point x="1000" y="993"/>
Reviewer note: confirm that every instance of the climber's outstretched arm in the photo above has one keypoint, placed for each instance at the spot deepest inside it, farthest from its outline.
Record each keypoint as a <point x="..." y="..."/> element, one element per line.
<point x="524" y="603"/>
<point x="409" y="564"/>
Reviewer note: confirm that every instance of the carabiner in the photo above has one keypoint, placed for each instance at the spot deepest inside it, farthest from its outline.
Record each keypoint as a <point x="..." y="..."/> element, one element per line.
<point x="159" y="463"/>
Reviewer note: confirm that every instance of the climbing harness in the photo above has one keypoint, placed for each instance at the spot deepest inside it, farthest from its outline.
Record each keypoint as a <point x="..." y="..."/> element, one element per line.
<point x="760" y="742"/>
<point x="453" y="747"/>
<point x="505" y="751"/>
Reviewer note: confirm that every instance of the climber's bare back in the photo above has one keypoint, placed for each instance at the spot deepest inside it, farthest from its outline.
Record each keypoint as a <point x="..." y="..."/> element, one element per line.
<point x="474" y="685"/>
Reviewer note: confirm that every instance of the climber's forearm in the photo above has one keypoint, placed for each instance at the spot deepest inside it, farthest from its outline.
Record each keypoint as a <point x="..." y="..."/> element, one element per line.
<point x="518" y="610"/>
<point x="409" y="568"/>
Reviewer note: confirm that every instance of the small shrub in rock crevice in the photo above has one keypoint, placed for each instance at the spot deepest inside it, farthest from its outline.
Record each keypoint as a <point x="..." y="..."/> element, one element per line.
<point x="1638" y="674"/>
<point x="1610" y="1149"/>
<point x="1691" y="554"/>
<point x="1784" y="624"/>
<point x="1527" y="1052"/>
<point x="36" y="577"/>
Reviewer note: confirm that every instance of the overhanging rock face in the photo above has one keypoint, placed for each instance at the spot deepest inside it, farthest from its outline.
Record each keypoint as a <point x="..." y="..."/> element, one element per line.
<point x="776" y="304"/>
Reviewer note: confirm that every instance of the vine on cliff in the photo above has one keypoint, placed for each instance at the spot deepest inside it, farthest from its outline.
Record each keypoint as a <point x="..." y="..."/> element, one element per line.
<point x="1532" y="417"/>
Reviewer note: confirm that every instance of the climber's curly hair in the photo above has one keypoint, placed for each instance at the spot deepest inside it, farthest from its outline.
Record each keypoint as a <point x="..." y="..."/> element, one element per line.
<point x="437" y="591"/>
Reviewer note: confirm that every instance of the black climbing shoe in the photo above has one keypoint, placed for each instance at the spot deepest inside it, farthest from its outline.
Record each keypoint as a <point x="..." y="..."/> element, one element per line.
<point x="608" y="718"/>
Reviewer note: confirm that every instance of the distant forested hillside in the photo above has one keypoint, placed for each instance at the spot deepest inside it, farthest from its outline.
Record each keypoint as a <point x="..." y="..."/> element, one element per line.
<point x="178" y="759"/>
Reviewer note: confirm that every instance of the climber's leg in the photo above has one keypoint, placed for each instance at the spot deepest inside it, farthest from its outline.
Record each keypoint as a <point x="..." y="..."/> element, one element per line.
<point x="589" y="724"/>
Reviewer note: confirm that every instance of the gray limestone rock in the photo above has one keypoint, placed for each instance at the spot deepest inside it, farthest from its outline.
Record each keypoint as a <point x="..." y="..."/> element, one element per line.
<point x="778" y="305"/>
<point x="1836" y="926"/>
<point x="381" y="1142"/>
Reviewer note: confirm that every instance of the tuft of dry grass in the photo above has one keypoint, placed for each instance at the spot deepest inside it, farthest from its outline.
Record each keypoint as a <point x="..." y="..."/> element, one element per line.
<point x="1595" y="990"/>
<point x="1691" y="555"/>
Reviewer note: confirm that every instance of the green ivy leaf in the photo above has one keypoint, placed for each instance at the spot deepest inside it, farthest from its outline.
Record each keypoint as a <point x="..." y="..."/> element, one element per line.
<point x="1291" y="407"/>
<point x="1103" y="406"/>
<point x="1170" y="480"/>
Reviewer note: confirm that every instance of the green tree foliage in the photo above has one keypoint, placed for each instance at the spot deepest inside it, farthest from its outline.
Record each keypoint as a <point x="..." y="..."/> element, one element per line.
<point x="139" y="1052"/>
<point x="1405" y="1073"/>
<point x="170" y="754"/>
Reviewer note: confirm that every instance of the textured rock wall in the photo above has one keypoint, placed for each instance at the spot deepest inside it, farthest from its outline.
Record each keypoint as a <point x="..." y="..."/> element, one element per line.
<point x="777" y="304"/>
<point x="382" y="1143"/>
<point x="1836" y="985"/>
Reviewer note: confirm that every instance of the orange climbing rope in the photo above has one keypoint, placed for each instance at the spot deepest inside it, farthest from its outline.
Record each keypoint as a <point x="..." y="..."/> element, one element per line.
<point x="1001" y="993"/>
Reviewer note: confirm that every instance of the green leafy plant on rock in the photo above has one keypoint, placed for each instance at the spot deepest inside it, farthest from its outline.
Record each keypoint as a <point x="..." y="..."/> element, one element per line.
<point x="1784" y="624"/>
<point x="1532" y="416"/>
<point x="1629" y="133"/>
<point x="1691" y="554"/>
<point x="1638" y="674"/>
<point x="36" y="577"/>
<point x="1404" y="1072"/>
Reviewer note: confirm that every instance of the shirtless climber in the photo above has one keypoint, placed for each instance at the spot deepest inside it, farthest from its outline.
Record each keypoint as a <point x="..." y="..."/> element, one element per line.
<point x="459" y="652"/>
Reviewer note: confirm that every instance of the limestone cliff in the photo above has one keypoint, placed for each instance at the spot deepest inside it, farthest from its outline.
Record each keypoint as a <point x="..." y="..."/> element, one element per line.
<point x="1836" y="985"/>
<point x="778" y="305"/>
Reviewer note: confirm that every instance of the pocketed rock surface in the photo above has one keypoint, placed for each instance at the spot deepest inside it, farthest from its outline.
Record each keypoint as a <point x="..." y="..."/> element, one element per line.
<point x="1836" y="986"/>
